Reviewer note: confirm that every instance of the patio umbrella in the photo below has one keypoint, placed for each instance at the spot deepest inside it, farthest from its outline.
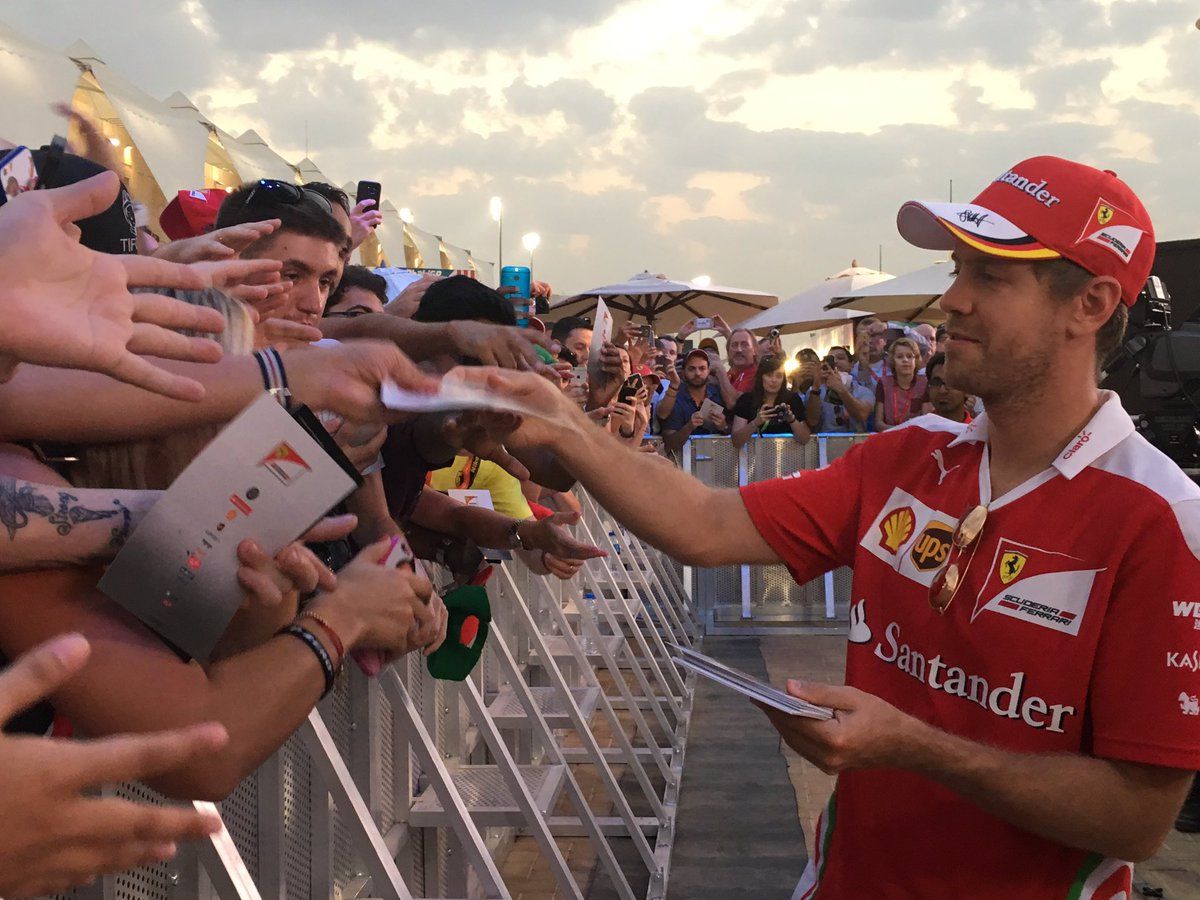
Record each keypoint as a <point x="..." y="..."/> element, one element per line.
<point x="912" y="297"/>
<point x="664" y="303"/>
<point x="807" y="311"/>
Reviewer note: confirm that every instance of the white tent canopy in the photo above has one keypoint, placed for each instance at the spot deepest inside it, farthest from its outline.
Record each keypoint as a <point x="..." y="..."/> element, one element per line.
<point x="172" y="142"/>
<point x="428" y="246"/>
<point x="667" y="304"/>
<point x="254" y="159"/>
<point x="486" y="270"/>
<point x="390" y="234"/>
<point x="33" y="75"/>
<point x="309" y="172"/>
<point x="806" y="311"/>
<point x="911" y="297"/>
<point x="457" y="256"/>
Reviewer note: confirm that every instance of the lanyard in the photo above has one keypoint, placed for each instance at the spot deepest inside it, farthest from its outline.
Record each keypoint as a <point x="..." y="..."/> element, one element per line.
<point x="896" y="390"/>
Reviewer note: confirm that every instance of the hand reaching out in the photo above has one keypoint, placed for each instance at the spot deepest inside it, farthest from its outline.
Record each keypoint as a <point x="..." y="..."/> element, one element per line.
<point x="364" y="218"/>
<point x="65" y="305"/>
<point x="55" y="834"/>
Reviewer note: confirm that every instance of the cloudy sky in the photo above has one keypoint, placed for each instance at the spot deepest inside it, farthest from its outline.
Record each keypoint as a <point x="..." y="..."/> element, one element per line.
<point x="765" y="143"/>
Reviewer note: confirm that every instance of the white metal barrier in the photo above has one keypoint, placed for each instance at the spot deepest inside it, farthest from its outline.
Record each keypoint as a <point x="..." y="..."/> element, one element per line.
<point x="404" y="786"/>
<point x="765" y="599"/>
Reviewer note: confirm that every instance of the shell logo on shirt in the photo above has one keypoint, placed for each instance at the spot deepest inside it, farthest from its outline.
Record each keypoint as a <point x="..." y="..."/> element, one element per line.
<point x="896" y="528"/>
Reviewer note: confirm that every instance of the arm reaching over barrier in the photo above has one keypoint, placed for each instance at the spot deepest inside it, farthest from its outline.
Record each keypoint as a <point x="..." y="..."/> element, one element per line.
<point x="620" y="477"/>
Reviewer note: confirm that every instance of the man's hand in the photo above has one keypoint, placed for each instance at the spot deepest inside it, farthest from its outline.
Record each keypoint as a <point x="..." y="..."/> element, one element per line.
<point x="497" y="345"/>
<point x="346" y="379"/>
<point x="716" y="420"/>
<point x="483" y="433"/>
<point x="564" y="569"/>
<point x="435" y="631"/>
<point x="864" y="733"/>
<point x="249" y="280"/>
<point x="406" y="302"/>
<point x="284" y="333"/>
<point x="269" y="581"/>
<point x="549" y="534"/>
<point x="224" y="243"/>
<point x="55" y="835"/>
<point x="720" y="325"/>
<point x="363" y="220"/>
<point x="697" y="420"/>
<point x="536" y="393"/>
<point x="689" y="327"/>
<point x="65" y="305"/>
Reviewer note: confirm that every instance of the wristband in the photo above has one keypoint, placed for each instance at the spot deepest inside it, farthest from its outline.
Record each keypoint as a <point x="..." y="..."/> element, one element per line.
<point x="314" y="644"/>
<point x="274" y="376"/>
<point x="338" y="646"/>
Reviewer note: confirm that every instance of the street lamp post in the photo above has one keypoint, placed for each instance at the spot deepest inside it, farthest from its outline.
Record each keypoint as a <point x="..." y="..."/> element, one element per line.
<point x="497" y="210"/>
<point x="531" y="242"/>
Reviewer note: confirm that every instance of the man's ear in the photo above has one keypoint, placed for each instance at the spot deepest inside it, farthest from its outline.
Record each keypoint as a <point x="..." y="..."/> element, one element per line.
<point x="1094" y="306"/>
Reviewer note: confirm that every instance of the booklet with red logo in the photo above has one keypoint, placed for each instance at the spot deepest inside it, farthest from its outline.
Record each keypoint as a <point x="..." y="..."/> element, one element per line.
<point x="746" y="685"/>
<point x="267" y="476"/>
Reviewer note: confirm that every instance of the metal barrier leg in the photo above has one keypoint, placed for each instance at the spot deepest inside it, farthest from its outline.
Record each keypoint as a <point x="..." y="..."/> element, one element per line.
<point x="473" y="845"/>
<point x="550" y="746"/>
<point x="385" y="877"/>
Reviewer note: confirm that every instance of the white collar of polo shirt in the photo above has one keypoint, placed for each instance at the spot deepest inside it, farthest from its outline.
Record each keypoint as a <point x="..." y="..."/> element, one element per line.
<point x="1108" y="426"/>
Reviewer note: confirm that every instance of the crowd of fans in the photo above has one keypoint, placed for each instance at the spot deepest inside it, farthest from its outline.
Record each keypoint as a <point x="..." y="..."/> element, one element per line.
<point x="121" y="357"/>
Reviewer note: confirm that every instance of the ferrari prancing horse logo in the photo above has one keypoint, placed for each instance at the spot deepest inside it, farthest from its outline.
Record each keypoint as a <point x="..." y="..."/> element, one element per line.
<point x="1011" y="564"/>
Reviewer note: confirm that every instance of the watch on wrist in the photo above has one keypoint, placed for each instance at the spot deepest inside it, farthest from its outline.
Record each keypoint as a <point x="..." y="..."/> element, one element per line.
<point x="515" y="541"/>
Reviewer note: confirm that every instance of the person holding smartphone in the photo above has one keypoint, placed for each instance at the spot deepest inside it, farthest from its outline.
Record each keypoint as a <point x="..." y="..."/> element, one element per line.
<point x="769" y="407"/>
<point x="836" y="403"/>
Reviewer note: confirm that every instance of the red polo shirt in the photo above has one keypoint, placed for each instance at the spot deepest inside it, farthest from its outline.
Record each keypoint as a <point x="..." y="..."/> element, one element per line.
<point x="743" y="379"/>
<point x="1075" y="631"/>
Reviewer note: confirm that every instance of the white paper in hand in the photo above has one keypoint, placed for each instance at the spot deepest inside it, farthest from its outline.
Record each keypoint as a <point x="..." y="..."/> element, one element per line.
<point x="747" y="685"/>
<point x="601" y="332"/>
<point x="454" y="394"/>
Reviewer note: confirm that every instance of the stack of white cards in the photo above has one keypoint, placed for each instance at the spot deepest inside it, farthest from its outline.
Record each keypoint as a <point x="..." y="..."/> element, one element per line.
<point x="747" y="685"/>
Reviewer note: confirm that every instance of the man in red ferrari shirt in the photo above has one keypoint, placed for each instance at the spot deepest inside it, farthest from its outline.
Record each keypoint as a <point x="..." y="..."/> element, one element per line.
<point x="1020" y="716"/>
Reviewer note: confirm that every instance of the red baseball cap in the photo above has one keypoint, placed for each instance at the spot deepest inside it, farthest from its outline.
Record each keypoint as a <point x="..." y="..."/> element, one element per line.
<point x="191" y="213"/>
<point x="1046" y="208"/>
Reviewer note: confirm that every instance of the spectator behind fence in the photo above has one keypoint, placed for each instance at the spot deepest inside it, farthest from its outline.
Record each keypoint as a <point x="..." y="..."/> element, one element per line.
<point x="359" y="292"/>
<point x="836" y="403"/>
<point x="947" y="402"/>
<point x="870" y="342"/>
<point x="769" y="407"/>
<point x="680" y="411"/>
<point x="742" y="351"/>
<point x="899" y="395"/>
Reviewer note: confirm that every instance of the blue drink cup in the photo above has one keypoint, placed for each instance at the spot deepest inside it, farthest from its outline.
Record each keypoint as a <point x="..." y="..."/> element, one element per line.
<point x="518" y="277"/>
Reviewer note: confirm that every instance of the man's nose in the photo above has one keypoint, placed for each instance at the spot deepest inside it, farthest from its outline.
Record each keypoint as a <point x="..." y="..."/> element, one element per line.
<point x="956" y="300"/>
<point x="309" y="299"/>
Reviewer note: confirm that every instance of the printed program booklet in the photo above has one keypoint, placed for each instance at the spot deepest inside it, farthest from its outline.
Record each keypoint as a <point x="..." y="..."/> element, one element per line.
<point x="266" y="476"/>
<point x="746" y="685"/>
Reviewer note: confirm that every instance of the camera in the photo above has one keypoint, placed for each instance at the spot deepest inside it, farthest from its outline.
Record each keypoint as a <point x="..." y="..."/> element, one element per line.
<point x="1156" y="371"/>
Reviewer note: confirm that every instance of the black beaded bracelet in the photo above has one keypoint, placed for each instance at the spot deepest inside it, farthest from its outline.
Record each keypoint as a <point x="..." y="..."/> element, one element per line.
<point x="314" y="644"/>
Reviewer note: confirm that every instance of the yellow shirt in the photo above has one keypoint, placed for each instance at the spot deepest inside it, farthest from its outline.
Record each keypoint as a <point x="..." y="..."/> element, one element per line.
<point x="469" y="472"/>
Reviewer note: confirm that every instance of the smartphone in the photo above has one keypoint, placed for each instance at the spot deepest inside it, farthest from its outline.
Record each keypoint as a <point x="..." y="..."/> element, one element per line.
<point x="518" y="277"/>
<point x="368" y="190"/>
<point x="704" y="322"/>
<point x="629" y="389"/>
<point x="646" y="332"/>
<point x="18" y="174"/>
<point x="568" y="356"/>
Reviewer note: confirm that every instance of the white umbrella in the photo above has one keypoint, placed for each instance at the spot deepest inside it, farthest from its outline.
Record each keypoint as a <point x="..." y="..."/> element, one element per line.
<point x="807" y="311"/>
<point x="666" y="304"/>
<point x="912" y="297"/>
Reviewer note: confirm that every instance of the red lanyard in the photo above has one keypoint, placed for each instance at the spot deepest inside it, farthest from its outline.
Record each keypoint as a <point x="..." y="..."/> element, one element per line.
<point x="896" y="389"/>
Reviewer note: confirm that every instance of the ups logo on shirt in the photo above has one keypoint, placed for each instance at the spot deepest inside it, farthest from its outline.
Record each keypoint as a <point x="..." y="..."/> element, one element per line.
<point x="933" y="546"/>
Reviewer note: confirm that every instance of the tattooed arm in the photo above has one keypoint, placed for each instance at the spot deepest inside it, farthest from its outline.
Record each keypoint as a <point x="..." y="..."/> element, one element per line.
<point x="44" y="525"/>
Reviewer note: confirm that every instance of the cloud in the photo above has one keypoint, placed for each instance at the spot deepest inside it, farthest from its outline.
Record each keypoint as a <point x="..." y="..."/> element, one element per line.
<point x="761" y="141"/>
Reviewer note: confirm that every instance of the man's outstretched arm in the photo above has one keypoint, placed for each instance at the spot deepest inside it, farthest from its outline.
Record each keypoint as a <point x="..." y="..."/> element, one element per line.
<point x="695" y="524"/>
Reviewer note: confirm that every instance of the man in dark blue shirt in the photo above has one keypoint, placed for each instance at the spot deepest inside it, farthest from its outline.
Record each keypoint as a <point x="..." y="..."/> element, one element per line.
<point x="684" y="417"/>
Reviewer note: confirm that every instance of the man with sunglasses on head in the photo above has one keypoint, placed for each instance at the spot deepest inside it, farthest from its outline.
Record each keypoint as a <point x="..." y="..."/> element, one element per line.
<point x="1020" y="717"/>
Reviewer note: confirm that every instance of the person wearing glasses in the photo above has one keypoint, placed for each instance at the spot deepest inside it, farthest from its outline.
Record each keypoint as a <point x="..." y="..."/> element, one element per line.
<point x="1021" y="714"/>
<point x="944" y="400"/>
